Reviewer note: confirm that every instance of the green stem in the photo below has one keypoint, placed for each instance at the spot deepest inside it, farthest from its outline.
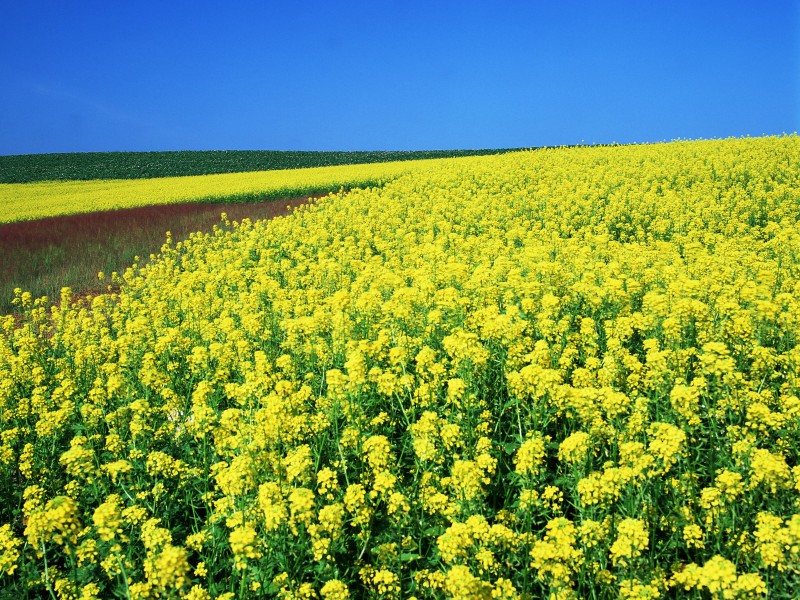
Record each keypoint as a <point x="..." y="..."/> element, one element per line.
<point x="47" y="574"/>
<point x="124" y="575"/>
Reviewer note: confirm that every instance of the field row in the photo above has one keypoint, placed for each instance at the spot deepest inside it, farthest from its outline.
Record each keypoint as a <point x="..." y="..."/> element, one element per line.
<point x="24" y="201"/>
<point x="144" y="165"/>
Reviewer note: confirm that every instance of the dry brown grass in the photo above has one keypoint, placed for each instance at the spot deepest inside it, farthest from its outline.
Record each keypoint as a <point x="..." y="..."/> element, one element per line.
<point x="44" y="255"/>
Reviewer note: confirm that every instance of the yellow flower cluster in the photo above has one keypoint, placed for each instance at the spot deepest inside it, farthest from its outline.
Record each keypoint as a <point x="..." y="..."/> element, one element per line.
<point x="563" y="373"/>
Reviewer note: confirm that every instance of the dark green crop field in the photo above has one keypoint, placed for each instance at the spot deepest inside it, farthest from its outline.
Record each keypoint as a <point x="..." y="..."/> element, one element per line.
<point x="26" y="168"/>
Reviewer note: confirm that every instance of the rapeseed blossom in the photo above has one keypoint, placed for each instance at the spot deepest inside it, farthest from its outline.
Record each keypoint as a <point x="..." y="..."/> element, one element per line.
<point x="565" y="373"/>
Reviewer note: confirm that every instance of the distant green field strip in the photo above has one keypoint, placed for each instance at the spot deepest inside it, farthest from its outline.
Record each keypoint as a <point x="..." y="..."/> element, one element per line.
<point x="25" y="201"/>
<point x="144" y="165"/>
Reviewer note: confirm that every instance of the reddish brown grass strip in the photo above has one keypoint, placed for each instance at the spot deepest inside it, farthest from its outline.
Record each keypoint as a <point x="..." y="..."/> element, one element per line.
<point x="44" y="255"/>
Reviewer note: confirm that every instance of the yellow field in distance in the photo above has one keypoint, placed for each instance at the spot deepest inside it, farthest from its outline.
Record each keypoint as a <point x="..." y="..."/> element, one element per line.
<point x="27" y="201"/>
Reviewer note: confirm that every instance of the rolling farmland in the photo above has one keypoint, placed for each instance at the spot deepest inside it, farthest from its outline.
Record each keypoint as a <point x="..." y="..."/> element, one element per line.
<point x="568" y="373"/>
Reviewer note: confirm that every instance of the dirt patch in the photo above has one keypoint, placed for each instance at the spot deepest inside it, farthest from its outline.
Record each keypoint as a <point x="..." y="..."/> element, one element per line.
<point x="36" y="233"/>
<point x="44" y="255"/>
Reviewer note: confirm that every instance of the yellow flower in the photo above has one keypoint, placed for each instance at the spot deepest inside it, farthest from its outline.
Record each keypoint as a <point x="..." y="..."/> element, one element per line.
<point x="693" y="536"/>
<point x="108" y="518"/>
<point x="575" y="448"/>
<point x="466" y="478"/>
<point x="632" y="539"/>
<point x="195" y="541"/>
<point x="57" y="522"/>
<point x="377" y="452"/>
<point x="198" y="593"/>
<point x="272" y="505"/>
<point x="455" y="542"/>
<point x="168" y="569"/>
<point x="461" y="584"/>
<point x="666" y="442"/>
<point x="327" y="482"/>
<point x="530" y="455"/>
<point x="334" y="590"/>
<point x="425" y="432"/>
<point x="384" y="483"/>
<point x="769" y="469"/>
<point x="244" y="545"/>
<point x="117" y="467"/>
<point x="386" y="582"/>
<point x="556" y="557"/>
<point x="719" y="577"/>
<point x="504" y="590"/>
<point x="153" y="536"/>
<point x="9" y="544"/>
<point x="90" y="591"/>
<point x="773" y="540"/>
<point x="298" y="464"/>
<point x="631" y="588"/>
<point x="301" y="507"/>
<point x="78" y="461"/>
<point x="729" y="483"/>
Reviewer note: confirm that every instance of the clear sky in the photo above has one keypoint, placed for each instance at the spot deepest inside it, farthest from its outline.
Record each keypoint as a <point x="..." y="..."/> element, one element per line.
<point x="172" y="75"/>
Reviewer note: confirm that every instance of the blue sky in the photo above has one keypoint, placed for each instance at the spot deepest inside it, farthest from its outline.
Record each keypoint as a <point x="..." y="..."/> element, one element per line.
<point x="171" y="75"/>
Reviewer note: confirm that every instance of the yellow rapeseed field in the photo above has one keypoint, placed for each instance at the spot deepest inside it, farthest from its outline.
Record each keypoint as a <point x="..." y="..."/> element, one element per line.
<point x="26" y="201"/>
<point x="565" y="373"/>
